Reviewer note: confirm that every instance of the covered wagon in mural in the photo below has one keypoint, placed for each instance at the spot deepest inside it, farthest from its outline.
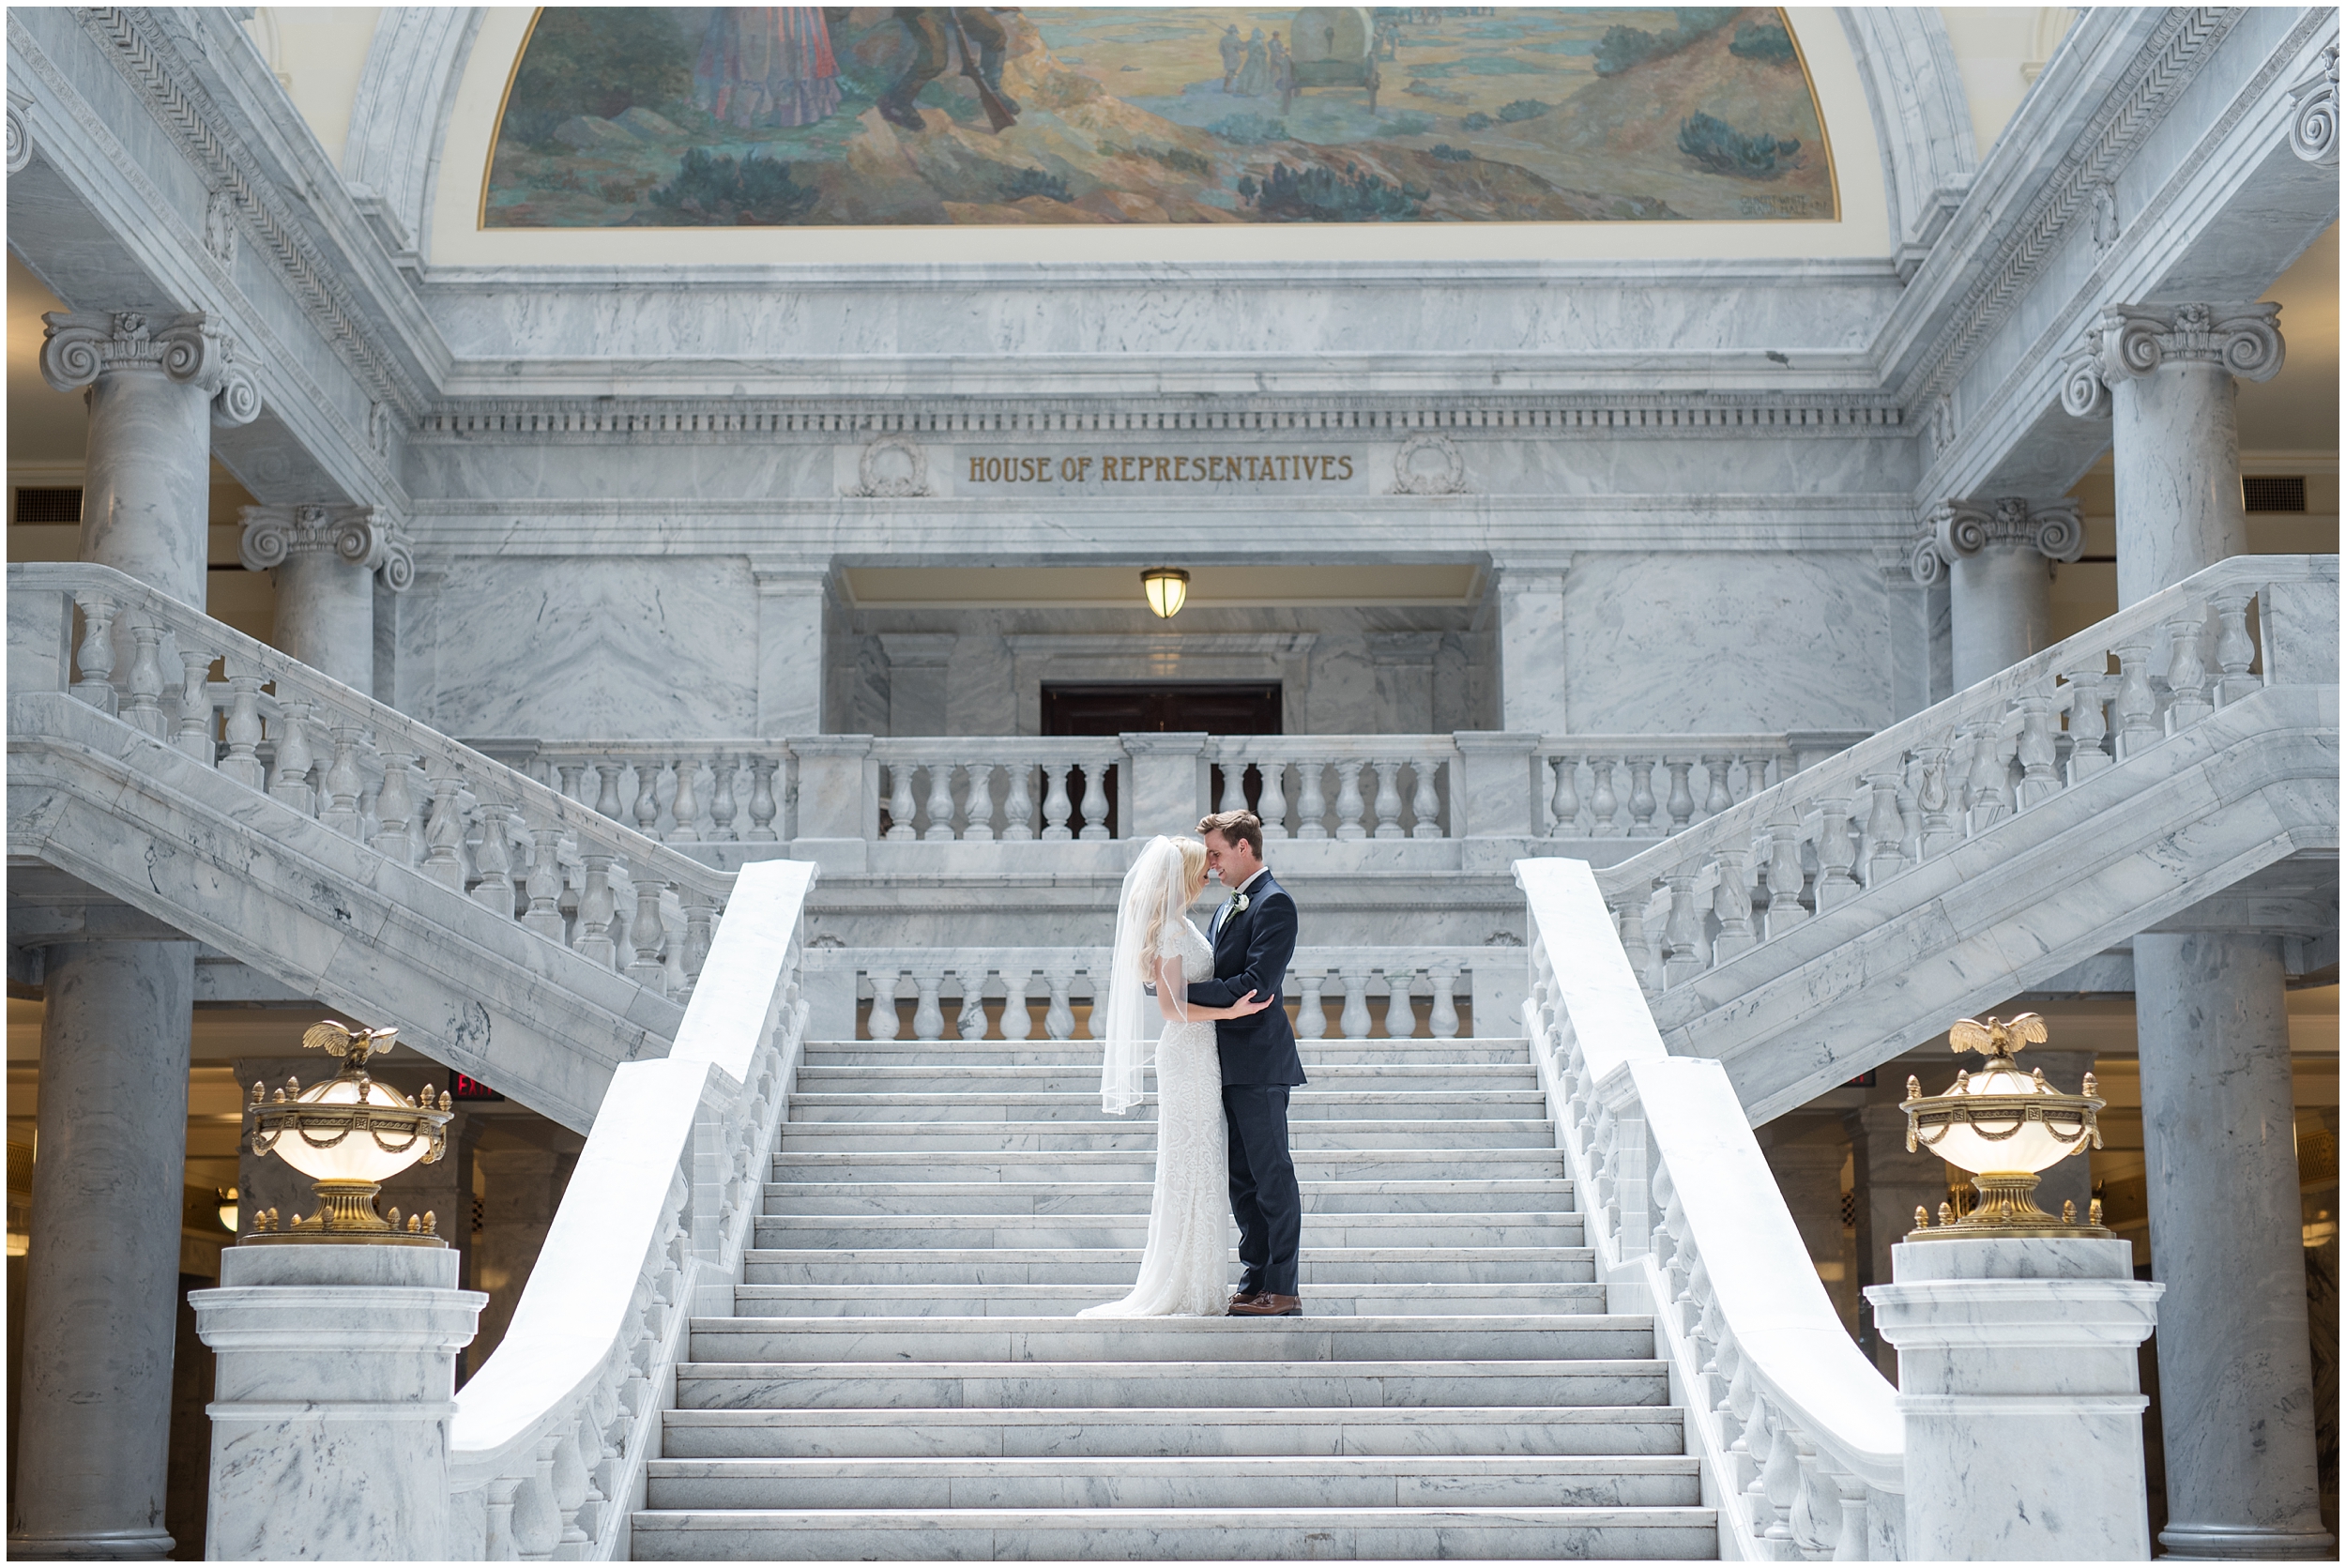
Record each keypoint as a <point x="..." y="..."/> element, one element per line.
<point x="1334" y="46"/>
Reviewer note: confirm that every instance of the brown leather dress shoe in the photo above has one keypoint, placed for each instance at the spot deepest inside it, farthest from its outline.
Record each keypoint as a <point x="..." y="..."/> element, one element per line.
<point x="1268" y="1305"/>
<point x="1242" y="1298"/>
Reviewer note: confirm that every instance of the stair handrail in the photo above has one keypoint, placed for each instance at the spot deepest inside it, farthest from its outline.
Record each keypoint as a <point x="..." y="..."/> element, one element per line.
<point x="1800" y="1436"/>
<point x="551" y="1437"/>
<point x="425" y="827"/>
<point x="1735" y="881"/>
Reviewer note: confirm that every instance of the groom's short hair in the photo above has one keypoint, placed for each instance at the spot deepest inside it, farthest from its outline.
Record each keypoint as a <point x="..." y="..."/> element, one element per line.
<point x="1238" y="826"/>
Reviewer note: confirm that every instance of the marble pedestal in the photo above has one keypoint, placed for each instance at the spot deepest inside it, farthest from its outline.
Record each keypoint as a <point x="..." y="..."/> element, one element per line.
<point x="336" y="1379"/>
<point x="2023" y="1413"/>
<point x="103" y="1266"/>
<point x="2235" y="1374"/>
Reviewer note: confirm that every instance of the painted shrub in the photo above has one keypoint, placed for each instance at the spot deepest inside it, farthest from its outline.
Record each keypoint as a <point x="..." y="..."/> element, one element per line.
<point x="685" y="116"/>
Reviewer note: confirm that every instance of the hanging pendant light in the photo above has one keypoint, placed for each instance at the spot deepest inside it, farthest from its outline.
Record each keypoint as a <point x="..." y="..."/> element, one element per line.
<point x="1166" y="588"/>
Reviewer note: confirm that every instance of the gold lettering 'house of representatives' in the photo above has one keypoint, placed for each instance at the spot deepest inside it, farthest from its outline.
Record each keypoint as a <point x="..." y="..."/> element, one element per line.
<point x="1178" y="469"/>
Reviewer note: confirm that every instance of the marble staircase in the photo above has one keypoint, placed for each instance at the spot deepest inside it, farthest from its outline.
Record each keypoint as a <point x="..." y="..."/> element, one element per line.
<point x="903" y="1376"/>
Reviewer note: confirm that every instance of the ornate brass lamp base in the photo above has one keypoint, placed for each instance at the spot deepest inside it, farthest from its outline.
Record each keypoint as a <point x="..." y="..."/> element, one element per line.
<point x="346" y="1217"/>
<point x="2007" y="1207"/>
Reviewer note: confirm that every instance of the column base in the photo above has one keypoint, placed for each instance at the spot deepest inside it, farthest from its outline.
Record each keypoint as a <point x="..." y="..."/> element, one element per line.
<point x="98" y="1546"/>
<point x="2188" y="1543"/>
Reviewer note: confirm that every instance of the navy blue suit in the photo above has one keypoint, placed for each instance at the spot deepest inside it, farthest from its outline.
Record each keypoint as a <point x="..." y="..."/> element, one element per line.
<point x="1252" y="948"/>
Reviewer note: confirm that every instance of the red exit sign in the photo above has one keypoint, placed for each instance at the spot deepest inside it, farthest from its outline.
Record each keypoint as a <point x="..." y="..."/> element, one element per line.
<point x="464" y="1086"/>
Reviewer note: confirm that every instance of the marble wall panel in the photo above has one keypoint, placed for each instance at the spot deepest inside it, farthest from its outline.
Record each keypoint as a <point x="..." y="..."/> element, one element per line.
<point x="620" y="468"/>
<point x="641" y="648"/>
<point x="1720" y="643"/>
<point x="1694" y="461"/>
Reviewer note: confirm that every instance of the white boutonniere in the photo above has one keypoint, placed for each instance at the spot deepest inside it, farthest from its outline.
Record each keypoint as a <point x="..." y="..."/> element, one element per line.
<point x="1239" y="902"/>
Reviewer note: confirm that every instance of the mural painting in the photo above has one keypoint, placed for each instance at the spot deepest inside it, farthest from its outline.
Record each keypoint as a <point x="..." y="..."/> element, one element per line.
<point x="684" y="116"/>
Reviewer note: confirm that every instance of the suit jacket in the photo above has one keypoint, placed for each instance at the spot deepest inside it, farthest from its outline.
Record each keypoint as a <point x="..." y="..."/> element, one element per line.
<point x="1252" y="948"/>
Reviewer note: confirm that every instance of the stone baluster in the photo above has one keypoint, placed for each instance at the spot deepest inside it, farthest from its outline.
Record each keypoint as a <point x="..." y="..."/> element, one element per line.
<point x="1400" y="1015"/>
<point x="1059" y="1019"/>
<point x="1564" y="802"/>
<point x="1017" y="1022"/>
<point x="2136" y="706"/>
<point x="1271" y="806"/>
<point x="1987" y="786"/>
<point x="1682" y="798"/>
<point x="607" y="797"/>
<point x="1388" y="801"/>
<point x="2036" y="750"/>
<point x="1353" y="1020"/>
<point x="1096" y="789"/>
<point x="884" y="1021"/>
<point x="700" y="931"/>
<point x="194" y="735"/>
<point x="94" y="655"/>
<point x="647" y="934"/>
<point x="1604" y="805"/>
<point x="1885" y="829"/>
<point x="1717" y="795"/>
<point x="1682" y="932"/>
<point x="1642" y="802"/>
<point x="1732" y="903"/>
<point x="1056" y="807"/>
<point x="395" y="809"/>
<point x="1095" y="998"/>
<point x="723" y="808"/>
<point x="544" y="883"/>
<point x="1311" y="804"/>
<point x="289" y="780"/>
<point x="596" y="907"/>
<point x="2235" y="650"/>
<point x="1935" y="799"/>
<point x="1425" y="803"/>
<point x="143" y="687"/>
<point x="1836" y="852"/>
<point x="1442" y="1021"/>
<point x="1630" y="916"/>
<point x="1785" y="875"/>
<point x="685" y="809"/>
<point x="242" y="732"/>
<point x="900" y="803"/>
<point x="2089" y="727"/>
<point x="940" y="802"/>
<point x="343" y="782"/>
<point x="1311" y="1011"/>
<point x="494" y="859"/>
<point x="444" y="831"/>
<point x="647" y="799"/>
<point x="971" y="1022"/>
<point x="1018" y="803"/>
<point x="977" y="813"/>
<point x="763" y="807"/>
<point x="1348" y="804"/>
<point x="2187" y="672"/>
<point x="571" y="780"/>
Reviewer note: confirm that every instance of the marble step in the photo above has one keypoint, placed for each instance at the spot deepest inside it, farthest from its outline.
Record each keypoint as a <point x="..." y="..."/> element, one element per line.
<point x="1204" y="1385"/>
<point x="1029" y="1166"/>
<point x="1237" y="1431"/>
<point x="1142" y="1534"/>
<point x="861" y="1298"/>
<point x="1449" y="1231"/>
<point x="1479" y="1481"/>
<point x="1115" y="1267"/>
<point x="1064" y="1053"/>
<point x="1084" y="1078"/>
<point x="1132" y="1196"/>
<point x="1010" y="1105"/>
<point x="1456" y="1134"/>
<point x="1040" y="1341"/>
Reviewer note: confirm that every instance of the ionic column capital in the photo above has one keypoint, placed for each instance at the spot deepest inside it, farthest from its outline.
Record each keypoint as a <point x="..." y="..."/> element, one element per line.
<point x="192" y="349"/>
<point x="1954" y="529"/>
<point x="357" y="534"/>
<point x="2129" y="342"/>
<point x="2313" y="129"/>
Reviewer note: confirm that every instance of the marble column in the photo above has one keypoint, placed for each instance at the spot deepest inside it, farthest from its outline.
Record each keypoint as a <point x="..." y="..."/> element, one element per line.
<point x="1891" y="1185"/>
<point x="1996" y="557"/>
<point x="2235" y="1373"/>
<point x="918" y="665"/>
<point x="327" y="559"/>
<point x="102" y="1268"/>
<point x="789" y="648"/>
<point x="155" y="388"/>
<point x="1531" y="649"/>
<point x="2168" y="377"/>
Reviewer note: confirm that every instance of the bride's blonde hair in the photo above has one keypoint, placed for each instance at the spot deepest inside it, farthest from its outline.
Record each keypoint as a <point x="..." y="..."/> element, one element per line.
<point x="1153" y="944"/>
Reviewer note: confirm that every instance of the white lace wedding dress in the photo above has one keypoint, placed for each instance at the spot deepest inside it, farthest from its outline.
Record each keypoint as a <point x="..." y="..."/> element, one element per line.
<point x="1185" y="1271"/>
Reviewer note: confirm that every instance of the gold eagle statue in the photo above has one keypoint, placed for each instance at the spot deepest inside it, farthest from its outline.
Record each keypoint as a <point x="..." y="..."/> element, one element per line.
<point x="338" y="1039"/>
<point x="1997" y="1037"/>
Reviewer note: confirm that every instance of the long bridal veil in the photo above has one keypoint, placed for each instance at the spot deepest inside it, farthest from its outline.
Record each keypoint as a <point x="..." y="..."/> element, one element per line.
<point x="1148" y="917"/>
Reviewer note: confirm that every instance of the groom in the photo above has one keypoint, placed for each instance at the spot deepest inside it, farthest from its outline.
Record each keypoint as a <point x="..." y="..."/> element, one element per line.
<point x="1254" y="939"/>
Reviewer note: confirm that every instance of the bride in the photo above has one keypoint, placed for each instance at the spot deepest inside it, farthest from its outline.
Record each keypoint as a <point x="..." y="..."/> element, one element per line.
<point x="1184" y="1273"/>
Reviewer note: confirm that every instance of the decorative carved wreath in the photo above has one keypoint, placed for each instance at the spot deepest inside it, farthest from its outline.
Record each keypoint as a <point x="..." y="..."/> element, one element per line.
<point x="892" y="465"/>
<point x="1429" y="465"/>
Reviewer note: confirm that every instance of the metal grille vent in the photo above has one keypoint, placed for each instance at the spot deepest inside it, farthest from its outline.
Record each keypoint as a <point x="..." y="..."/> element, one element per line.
<point x="2270" y="492"/>
<point x="63" y="503"/>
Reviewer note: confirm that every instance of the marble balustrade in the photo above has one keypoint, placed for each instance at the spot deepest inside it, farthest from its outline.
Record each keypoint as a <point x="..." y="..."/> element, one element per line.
<point x="275" y="726"/>
<point x="1034" y="993"/>
<point x="1835" y="830"/>
<point x="1801" y="1442"/>
<point x="550" y="1436"/>
<point x="1644" y="786"/>
<point x="720" y="791"/>
<point x="1335" y="786"/>
<point x="1004" y="787"/>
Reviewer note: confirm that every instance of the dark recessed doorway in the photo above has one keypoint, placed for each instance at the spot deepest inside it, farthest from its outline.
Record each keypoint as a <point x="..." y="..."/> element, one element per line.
<point x="1121" y="707"/>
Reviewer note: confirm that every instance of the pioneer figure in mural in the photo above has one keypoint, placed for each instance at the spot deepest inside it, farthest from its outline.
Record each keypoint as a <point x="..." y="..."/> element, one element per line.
<point x="936" y="31"/>
<point x="766" y="66"/>
<point x="1233" y="53"/>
